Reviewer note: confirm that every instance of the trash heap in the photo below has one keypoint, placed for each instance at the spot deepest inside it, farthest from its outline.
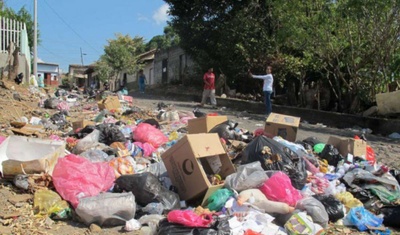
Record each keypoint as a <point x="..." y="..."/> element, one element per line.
<point x="176" y="172"/>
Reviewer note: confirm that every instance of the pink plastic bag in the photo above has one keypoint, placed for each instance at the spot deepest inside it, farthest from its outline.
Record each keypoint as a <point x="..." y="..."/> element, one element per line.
<point x="189" y="218"/>
<point x="148" y="149"/>
<point x="76" y="177"/>
<point x="279" y="188"/>
<point x="148" y="133"/>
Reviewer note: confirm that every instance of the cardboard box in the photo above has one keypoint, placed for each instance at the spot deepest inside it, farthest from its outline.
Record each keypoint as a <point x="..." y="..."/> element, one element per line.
<point x="191" y="159"/>
<point x="282" y="125"/>
<point x="109" y="103"/>
<point x="204" y="124"/>
<point x="348" y="145"/>
<point x="19" y="154"/>
<point x="81" y="124"/>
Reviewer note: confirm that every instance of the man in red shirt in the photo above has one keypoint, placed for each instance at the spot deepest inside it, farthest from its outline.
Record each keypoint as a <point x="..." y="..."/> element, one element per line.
<point x="209" y="88"/>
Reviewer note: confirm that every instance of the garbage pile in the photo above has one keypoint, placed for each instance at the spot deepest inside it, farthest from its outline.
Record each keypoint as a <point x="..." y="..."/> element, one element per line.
<point x="179" y="172"/>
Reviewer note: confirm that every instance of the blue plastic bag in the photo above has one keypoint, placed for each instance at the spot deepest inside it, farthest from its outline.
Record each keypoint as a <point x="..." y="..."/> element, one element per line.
<point x="361" y="218"/>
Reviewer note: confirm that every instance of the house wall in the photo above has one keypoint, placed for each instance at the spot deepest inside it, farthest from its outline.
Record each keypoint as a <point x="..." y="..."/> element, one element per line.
<point x="179" y="64"/>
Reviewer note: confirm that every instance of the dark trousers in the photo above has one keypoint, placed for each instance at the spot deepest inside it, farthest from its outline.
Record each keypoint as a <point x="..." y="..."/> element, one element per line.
<point x="267" y="101"/>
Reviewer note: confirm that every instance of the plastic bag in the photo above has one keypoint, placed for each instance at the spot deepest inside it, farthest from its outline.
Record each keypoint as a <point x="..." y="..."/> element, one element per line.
<point x="248" y="176"/>
<point x="107" y="209"/>
<point x="148" y="133"/>
<point x="348" y="200"/>
<point x="225" y="130"/>
<point x="96" y="155"/>
<point x="109" y="134"/>
<point x="279" y="188"/>
<point x="122" y="166"/>
<point x="315" y="209"/>
<point x="147" y="148"/>
<point x="333" y="206"/>
<point x="47" y="202"/>
<point x="87" y="142"/>
<point x="370" y="157"/>
<point x="361" y="218"/>
<point x="331" y="154"/>
<point x="167" y="228"/>
<point x="391" y="215"/>
<point x="299" y="223"/>
<point x="76" y="177"/>
<point x="146" y="188"/>
<point x="217" y="199"/>
<point x="189" y="218"/>
<point x="274" y="156"/>
<point x="256" y="198"/>
<point x="384" y="194"/>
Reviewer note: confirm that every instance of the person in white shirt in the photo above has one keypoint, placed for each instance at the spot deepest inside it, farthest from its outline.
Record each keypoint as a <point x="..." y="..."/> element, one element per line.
<point x="267" y="87"/>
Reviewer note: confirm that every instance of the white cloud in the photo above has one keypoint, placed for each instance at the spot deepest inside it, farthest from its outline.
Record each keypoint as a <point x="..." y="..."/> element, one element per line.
<point x="143" y="18"/>
<point x="160" y="15"/>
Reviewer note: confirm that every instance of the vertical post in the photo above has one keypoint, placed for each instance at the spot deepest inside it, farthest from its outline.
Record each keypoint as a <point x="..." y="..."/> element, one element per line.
<point x="81" y="56"/>
<point x="35" y="39"/>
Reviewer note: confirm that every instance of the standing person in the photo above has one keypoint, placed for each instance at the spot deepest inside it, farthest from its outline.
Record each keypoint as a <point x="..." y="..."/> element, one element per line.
<point x="267" y="87"/>
<point x="209" y="88"/>
<point x="142" y="81"/>
<point x="40" y="80"/>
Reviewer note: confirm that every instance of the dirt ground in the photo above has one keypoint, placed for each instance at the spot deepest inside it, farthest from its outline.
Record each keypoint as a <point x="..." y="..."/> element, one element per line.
<point x="16" y="210"/>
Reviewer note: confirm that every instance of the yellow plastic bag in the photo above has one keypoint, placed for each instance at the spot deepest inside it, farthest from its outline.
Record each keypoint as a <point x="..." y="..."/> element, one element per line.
<point x="47" y="202"/>
<point x="348" y="200"/>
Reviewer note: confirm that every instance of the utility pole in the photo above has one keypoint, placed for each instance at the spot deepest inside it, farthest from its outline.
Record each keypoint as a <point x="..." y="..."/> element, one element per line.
<point x="82" y="54"/>
<point x="35" y="39"/>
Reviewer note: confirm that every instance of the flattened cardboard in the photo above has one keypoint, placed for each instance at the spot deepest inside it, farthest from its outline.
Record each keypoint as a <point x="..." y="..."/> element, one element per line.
<point x="282" y="125"/>
<point x="357" y="148"/>
<point x="81" y="124"/>
<point x="187" y="165"/>
<point x="204" y="124"/>
<point x="109" y="103"/>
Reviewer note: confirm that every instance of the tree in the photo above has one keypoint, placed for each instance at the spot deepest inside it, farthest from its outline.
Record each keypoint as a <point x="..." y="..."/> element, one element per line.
<point x="121" y="54"/>
<point x="169" y="39"/>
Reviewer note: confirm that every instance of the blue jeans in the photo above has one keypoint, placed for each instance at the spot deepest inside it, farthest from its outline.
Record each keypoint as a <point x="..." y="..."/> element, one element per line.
<point x="142" y="86"/>
<point x="267" y="101"/>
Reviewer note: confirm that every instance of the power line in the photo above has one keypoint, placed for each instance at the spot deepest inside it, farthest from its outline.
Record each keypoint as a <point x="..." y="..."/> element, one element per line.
<point x="77" y="34"/>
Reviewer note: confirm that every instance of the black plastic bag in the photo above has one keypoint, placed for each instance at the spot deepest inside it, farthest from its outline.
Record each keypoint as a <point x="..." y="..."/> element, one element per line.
<point x="225" y="130"/>
<point x="280" y="159"/>
<point x="51" y="103"/>
<point x="391" y="216"/>
<point x="152" y="122"/>
<point x="331" y="154"/>
<point x="167" y="228"/>
<point x="109" y="134"/>
<point x="147" y="188"/>
<point x="59" y="119"/>
<point x="333" y="206"/>
<point x="396" y="174"/>
<point x="312" y="141"/>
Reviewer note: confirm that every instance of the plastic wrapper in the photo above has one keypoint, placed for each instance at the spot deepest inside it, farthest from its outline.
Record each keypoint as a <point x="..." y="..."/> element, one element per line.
<point x="146" y="188"/>
<point x="150" y="134"/>
<point x="189" y="218"/>
<point x="299" y="223"/>
<point x="274" y="156"/>
<point x="315" y="209"/>
<point x="385" y="195"/>
<point x="333" y="206"/>
<point x="248" y="176"/>
<point x="107" y="209"/>
<point x="122" y="166"/>
<point x="257" y="199"/>
<point x="225" y="130"/>
<point x="359" y="174"/>
<point x="279" y="188"/>
<point x="75" y="177"/>
<point x="361" y="218"/>
<point x="151" y="221"/>
<point x="217" y="199"/>
<point x="348" y="200"/>
<point x="88" y="142"/>
<point x="47" y="202"/>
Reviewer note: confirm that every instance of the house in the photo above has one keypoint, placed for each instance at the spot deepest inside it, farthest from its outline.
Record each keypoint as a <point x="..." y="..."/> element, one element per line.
<point x="172" y="64"/>
<point x="78" y="74"/>
<point x="50" y="72"/>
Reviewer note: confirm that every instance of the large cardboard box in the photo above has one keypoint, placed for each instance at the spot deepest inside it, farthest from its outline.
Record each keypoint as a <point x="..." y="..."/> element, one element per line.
<point x="282" y="125"/>
<point x="109" y="103"/>
<point x="357" y="148"/>
<point x="204" y="124"/>
<point x="81" y="124"/>
<point x="191" y="160"/>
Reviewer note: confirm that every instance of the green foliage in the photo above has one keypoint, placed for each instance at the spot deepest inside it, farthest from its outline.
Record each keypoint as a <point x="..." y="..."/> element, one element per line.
<point x="169" y="39"/>
<point x="121" y="54"/>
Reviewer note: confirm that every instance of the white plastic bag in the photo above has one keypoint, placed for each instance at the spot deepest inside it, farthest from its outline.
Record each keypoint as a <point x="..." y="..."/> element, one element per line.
<point x="248" y="176"/>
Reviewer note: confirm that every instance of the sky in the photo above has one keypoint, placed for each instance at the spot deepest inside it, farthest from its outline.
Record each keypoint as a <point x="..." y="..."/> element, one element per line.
<point x="68" y="26"/>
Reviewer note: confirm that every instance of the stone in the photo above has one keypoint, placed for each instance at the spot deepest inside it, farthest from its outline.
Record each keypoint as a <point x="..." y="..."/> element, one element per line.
<point x="94" y="228"/>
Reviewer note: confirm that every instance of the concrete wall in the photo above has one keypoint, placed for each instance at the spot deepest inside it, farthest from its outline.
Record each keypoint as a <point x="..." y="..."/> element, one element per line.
<point x="22" y="68"/>
<point x="179" y="65"/>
